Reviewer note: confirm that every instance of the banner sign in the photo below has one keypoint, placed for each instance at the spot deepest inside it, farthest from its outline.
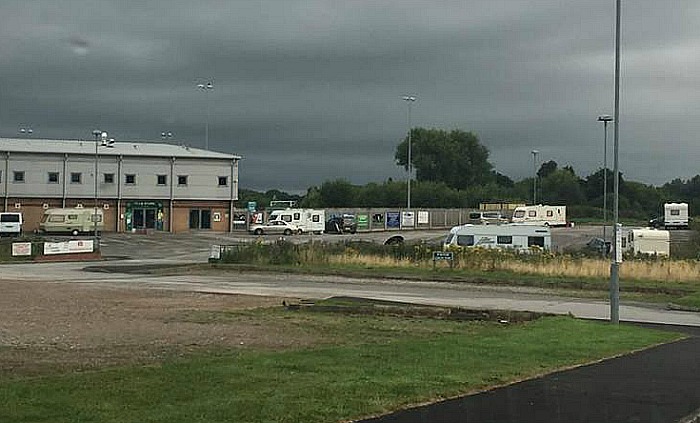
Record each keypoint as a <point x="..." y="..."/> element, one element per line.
<point x="68" y="247"/>
<point x="21" y="249"/>
<point x="423" y="217"/>
<point x="363" y="221"/>
<point x="408" y="219"/>
<point x="393" y="220"/>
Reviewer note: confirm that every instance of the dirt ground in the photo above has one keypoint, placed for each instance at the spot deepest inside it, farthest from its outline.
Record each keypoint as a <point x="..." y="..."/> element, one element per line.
<point x="52" y="327"/>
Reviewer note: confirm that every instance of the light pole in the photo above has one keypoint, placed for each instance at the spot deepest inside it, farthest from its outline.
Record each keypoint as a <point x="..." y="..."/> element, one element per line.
<point x="206" y="88"/>
<point x="617" y="244"/>
<point x="534" y="177"/>
<point x="605" y="119"/>
<point x="166" y="135"/>
<point x="26" y="131"/>
<point x="99" y="136"/>
<point x="409" y="99"/>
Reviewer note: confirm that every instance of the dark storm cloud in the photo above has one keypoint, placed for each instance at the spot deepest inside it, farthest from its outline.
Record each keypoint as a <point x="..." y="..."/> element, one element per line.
<point x="308" y="91"/>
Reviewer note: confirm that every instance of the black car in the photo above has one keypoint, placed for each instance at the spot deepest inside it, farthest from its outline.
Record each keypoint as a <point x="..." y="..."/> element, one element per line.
<point x="341" y="224"/>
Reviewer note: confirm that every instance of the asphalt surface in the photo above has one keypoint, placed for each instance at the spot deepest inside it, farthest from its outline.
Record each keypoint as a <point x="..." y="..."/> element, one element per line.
<point x="661" y="385"/>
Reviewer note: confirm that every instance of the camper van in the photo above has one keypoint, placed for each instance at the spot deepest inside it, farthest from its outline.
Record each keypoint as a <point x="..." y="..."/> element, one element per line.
<point x="540" y="215"/>
<point x="308" y="220"/>
<point x="11" y="223"/>
<point x="72" y="221"/>
<point x="508" y="236"/>
<point x="646" y="241"/>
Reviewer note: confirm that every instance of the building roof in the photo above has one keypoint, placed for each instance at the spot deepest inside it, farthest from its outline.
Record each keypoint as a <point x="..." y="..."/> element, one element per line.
<point x="119" y="148"/>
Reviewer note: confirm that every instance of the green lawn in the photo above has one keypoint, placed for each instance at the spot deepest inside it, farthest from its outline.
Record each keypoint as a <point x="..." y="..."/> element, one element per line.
<point x="364" y="366"/>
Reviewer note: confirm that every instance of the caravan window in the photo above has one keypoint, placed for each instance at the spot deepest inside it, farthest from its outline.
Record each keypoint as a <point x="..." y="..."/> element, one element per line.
<point x="57" y="218"/>
<point x="465" y="240"/>
<point x="297" y="216"/>
<point x="532" y="213"/>
<point x="475" y="215"/>
<point x="503" y="239"/>
<point x="285" y="217"/>
<point x="519" y="213"/>
<point x="492" y="215"/>
<point x="72" y="217"/>
<point x="535" y="241"/>
<point x="316" y="218"/>
<point x="550" y="213"/>
<point x="675" y="212"/>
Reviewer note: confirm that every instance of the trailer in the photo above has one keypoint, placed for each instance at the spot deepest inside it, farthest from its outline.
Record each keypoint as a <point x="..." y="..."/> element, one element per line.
<point x="73" y="221"/>
<point x="308" y="220"/>
<point x="646" y="241"/>
<point x="675" y="216"/>
<point x="518" y="237"/>
<point x="540" y="215"/>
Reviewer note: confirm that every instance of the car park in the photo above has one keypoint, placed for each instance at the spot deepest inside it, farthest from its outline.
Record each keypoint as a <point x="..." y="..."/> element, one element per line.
<point x="275" y="227"/>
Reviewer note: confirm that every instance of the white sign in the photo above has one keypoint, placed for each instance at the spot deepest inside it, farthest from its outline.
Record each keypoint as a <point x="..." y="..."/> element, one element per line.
<point x="68" y="247"/>
<point x="423" y="217"/>
<point x="618" y="243"/>
<point x="21" y="249"/>
<point x="215" y="252"/>
<point x="408" y="219"/>
<point x="217" y="217"/>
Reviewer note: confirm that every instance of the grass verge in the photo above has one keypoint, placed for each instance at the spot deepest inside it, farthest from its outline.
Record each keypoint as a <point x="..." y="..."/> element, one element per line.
<point x="372" y="365"/>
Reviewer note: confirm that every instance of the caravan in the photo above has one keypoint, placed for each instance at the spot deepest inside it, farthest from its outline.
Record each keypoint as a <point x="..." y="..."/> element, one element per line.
<point x="646" y="241"/>
<point x="73" y="221"/>
<point x="308" y="220"/>
<point x="521" y="238"/>
<point x="540" y="215"/>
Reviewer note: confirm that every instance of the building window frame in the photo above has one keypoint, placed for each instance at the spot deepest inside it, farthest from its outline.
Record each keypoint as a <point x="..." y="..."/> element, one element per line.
<point x="18" y="176"/>
<point x="76" y="177"/>
<point x="161" y="180"/>
<point x="53" y="178"/>
<point x="223" y="181"/>
<point x="108" y="178"/>
<point x="182" y="180"/>
<point x="129" y="179"/>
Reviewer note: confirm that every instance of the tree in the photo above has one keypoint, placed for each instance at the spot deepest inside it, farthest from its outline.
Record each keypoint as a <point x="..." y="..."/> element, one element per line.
<point x="547" y="169"/>
<point x="456" y="158"/>
<point x="337" y="193"/>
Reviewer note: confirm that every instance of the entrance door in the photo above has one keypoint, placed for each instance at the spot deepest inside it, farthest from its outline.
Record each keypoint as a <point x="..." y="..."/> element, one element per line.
<point x="200" y="219"/>
<point x="150" y="218"/>
<point x="138" y="219"/>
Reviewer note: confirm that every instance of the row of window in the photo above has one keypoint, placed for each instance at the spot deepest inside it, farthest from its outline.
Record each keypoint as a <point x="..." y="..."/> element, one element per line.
<point x="129" y="178"/>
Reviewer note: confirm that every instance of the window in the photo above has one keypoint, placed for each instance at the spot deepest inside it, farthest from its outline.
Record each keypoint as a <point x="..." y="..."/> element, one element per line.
<point x="182" y="180"/>
<point x="130" y="179"/>
<point x="474" y="216"/>
<point x="285" y="217"/>
<point x="675" y="212"/>
<point x="297" y="216"/>
<point x="109" y="178"/>
<point x="72" y="217"/>
<point x="223" y="181"/>
<point x="532" y="213"/>
<point x="503" y="239"/>
<point x="53" y="177"/>
<point x="76" y="178"/>
<point x="535" y="241"/>
<point x="550" y="213"/>
<point x="57" y="218"/>
<point x="18" y="176"/>
<point x="465" y="240"/>
<point x="519" y="214"/>
<point x="161" y="179"/>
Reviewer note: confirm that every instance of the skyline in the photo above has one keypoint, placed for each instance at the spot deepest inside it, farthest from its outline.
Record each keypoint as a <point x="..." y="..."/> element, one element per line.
<point x="309" y="91"/>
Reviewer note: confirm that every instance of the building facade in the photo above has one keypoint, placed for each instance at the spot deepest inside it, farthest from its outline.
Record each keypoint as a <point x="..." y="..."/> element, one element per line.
<point x="139" y="186"/>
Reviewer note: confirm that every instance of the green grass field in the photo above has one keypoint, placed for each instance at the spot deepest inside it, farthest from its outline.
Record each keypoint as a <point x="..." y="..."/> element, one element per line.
<point x="358" y="365"/>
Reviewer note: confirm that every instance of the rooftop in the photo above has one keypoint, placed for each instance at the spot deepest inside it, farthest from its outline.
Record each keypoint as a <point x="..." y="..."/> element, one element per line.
<point x="119" y="148"/>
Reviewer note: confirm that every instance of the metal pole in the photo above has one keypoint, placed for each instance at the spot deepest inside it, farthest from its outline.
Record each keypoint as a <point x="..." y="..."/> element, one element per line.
<point x="615" y="265"/>
<point x="605" y="179"/>
<point x="94" y="215"/>
<point x="206" y="126"/>
<point x="534" y="177"/>
<point x="409" y="99"/>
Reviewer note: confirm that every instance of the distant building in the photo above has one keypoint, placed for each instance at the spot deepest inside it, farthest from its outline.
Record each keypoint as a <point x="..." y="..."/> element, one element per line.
<point x="140" y="186"/>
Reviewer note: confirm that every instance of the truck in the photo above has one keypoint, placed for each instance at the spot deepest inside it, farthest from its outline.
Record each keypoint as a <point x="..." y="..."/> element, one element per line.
<point x="519" y="237"/>
<point x="540" y="215"/>
<point x="308" y="220"/>
<point x="675" y="217"/>
<point x="646" y="241"/>
<point x="72" y="221"/>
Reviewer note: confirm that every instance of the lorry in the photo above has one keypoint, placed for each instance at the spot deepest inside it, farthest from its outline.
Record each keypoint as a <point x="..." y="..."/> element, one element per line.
<point x="540" y="215"/>
<point x="675" y="217"/>
<point x="72" y="221"/>
<point x="11" y="223"/>
<point x="308" y="220"/>
<point x="646" y="241"/>
<point x="519" y="237"/>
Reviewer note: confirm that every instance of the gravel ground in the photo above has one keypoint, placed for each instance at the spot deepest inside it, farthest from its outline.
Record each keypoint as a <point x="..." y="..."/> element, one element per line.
<point x="50" y="327"/>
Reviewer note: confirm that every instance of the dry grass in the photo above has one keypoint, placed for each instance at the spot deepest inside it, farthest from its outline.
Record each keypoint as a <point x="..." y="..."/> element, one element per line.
<point x="561" y="266"/>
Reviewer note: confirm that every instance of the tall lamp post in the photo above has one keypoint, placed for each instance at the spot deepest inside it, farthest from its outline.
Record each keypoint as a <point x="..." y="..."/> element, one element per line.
<point x="534" y="176"/>
<point x="100" y="139"/>
<point x="617" y="254"/>
<point x="605" y="119"/>
<point x="206" y="88"/>
<point x="409" y="99"/>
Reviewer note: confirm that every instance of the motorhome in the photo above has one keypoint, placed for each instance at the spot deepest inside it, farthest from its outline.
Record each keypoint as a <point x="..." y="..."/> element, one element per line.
<point x="73" y="221"/>
<point x="308" y="220"/>
<point x="11" y="223"/>
<point x="646" y="241"/>
<point x="675" y="215"/>
<point x="514" y="236"/>
<point x="540" y="215"/>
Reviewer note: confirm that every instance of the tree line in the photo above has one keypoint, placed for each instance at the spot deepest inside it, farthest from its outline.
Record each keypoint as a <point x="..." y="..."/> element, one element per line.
<point x="452" y="170"/>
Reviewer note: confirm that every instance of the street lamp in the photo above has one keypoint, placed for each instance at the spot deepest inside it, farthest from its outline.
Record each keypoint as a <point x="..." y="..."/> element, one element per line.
<point x="26" y="131"/>
<point x="105" y="142"/>
<point x="534" y="176"/>
<point x="409" y="99"/>
<point x="605" y="119"/>
<point x="617" y="254"/>
<point x="206" y="88"/>
<point x="166" y="135"/>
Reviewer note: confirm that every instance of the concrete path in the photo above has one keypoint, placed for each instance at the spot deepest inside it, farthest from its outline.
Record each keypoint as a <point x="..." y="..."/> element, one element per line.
<point x="661" y="385"/>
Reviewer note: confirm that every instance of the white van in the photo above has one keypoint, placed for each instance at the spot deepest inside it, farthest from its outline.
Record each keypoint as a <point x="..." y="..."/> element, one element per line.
<point x="508" y="236"/>
<point x="540" y="215"/>
<point x="11" y="223"/>
<point x="308" y="220"/>
<point x="73" y="221"/>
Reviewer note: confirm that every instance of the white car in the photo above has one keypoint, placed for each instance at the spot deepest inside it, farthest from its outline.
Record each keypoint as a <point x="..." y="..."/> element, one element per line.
<point x="275" y="227"/>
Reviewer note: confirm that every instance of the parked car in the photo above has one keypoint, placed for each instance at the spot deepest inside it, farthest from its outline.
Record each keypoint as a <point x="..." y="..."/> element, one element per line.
<point x="599" y="245"/>
<point x="275" y="227"/>
<point x="341" y="224"/>
<point x="11" y="223"/>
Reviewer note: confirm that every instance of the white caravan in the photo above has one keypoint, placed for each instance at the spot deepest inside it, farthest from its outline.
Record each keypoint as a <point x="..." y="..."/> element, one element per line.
<point x="508" y="236"/>
<point x="308" y="220"/>
<point x="675" y="215"/>
<point x="646" y="241"/>
<point x="540" y="215"/>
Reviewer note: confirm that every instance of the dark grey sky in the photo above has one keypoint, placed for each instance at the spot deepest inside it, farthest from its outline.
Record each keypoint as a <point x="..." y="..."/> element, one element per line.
<point x="308" y="91"/>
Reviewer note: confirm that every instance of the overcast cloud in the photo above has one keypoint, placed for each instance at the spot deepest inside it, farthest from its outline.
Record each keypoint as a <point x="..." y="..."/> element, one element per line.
<point x="308" y="91"/>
